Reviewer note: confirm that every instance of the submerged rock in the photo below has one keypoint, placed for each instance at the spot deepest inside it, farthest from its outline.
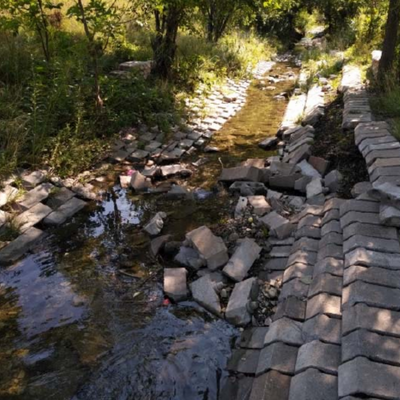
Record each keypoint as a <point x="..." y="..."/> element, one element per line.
<point x="156" y="224"/>
<point x="175" y="285"/>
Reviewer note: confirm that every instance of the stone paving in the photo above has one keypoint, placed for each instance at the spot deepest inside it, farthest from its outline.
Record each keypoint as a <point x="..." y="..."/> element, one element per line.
<point x="335" y="333"/>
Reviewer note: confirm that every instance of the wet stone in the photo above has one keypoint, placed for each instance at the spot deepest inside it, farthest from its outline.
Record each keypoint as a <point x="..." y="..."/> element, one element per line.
<point x="67" y="210"/>
<point x="203" y="292"/>
<point x="272" y="386"/>
<point x="31" y="217"/>
<point x="18" y="247"/>
<point x="322" y="356"/>
<point x="237" y="312"/>
<point x="243" y="361"/>
<point x="278" y="357"/>
<point x="286" y="331"/>
<point x="253" y="338"/>
<point x="211" y="247"/>
<point x="175" y="285"/>
<point x="314" y="385"/>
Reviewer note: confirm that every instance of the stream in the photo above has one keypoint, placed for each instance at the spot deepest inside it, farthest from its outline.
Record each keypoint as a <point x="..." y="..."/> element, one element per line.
<point x="84" y="316"/>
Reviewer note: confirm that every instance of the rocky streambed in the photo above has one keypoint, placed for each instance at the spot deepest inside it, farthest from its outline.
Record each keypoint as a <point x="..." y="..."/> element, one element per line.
<point x="141" y="294"/>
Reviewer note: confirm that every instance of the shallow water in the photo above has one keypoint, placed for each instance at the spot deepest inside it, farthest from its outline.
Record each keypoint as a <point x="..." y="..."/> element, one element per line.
<point x="83" y="316"/>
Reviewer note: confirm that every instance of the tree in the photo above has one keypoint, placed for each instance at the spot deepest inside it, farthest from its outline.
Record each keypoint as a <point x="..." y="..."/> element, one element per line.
<point x="390" y="41"/>
<point x="101" y="21"/>
<point x="29" y="14"/>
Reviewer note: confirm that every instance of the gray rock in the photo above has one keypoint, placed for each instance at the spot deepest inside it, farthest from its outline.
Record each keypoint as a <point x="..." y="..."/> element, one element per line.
<point x="320" y="164"/>
<point x="242" y="260"/>
<point x="203" y="292"/>
<point x="308" y="170"/>
<point x="249" y="174"/>
<point x="333" y="181"/>
<point x="301" y="184"/>
<point x="31" y="217"/>
<point x="237" y="312"/>
<point x="314" y="188"/>
<point x="156" y="224"/>
<point x="18" y="247"/>
<point x="34" y="178"/>
<point x="259" y="204"/>
<point x="64" y="212"/>
<point x="211" y="247"/>
<point x="389" y="216"/>
<point x="59" y="197"/>
<point x="139" y="182"/>
<point x="36" y="195"/>
<point x="387" y="192"/>
<point x="278" y="225"/>
<point x="189" y="257"/>
<point x="175" y="286"/>
<point x="158" y="244"/>
<point x="286" y="331"/>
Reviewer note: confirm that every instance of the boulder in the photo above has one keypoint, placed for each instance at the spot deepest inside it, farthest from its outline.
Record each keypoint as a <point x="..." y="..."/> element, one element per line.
<point x="203" y="293"/>
<point x="237" y="312"/>
<point x="156" y="224"/>
<point x="210" y="247"/>
<point x="189" y="257"/>
<point x="242" y="260"/>
<point x="249" y="174"/>
<point x="175" y="285"/>
<point x="278" y="225"/>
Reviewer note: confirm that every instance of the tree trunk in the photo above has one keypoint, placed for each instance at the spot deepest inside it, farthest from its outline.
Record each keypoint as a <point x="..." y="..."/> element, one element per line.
<point x="164" y="44"/>
<point x="390" y="42"/>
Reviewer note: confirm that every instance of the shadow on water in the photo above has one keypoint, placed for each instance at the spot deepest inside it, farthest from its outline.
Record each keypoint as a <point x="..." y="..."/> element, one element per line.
<point x="83" y="316"/>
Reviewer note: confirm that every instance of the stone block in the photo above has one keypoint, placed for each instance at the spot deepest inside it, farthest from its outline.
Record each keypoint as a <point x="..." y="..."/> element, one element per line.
<point x="324" y="328"/>
<point x="31" y="217"/>
<point x="237" y="388"/>
<point x="331" y="238"/>
<point x="322" y="356"/>
<point x="310" y="220"/>
<point x="249" y="174"/>
<point x="280" y="252"/>
<point x="34" y="178"/>
<point x="308" y="170"/>
<point x="248" y="188"/>
<point x="314" y="188"/>
<point x="18" y="247"/>
<point x="332" y="215"/>
<point x="379" y="348"/>
<point x="333" y="181"/>
<point x="286" y="331"/>
<point x="369" y="230"/>
<point x="302" y="257"/>
<point x="376" y="244"/>
<point x="369" y="258"/>
<point x="277" y="357"/>
<point x="243" y="361"/>
<point x="301" y="184"/>
<point x="203" y="292"/>
<point x="253" y="338"/>
<point x="379" y="320"/>
<point x="175" y="285"/>
<point x="324" y="304"/>
<point x="294" y="288"/>
<point x="139" y="182"/>
<point x="361" y="188"/>
<point x="329" y="265"/>
<point x="314" y="385"/>
<point x="190" y="258"/>
<point x="377" y="276"/>
<point x="259" y="204"/>
<point x="297" y="270"/>
<point x="67" y="210"/>
<point x="333" y="204"/>
<point x="359" y="217"/>
<point x="307" y="244"/>
<point x="237" y="312"/>
<point x="292" y="308"/>
<point x="59" y="197"/>
<point x="367" y="378"/>
<point x="326" y="283"/>
<point x="7" y="195"/>
<point x="389" y="216"/>
<point x="278" y="225"/>
<point x="158" y="244"/>
<point x="359" y="206"/>
<point x="284" y="181"/>
<point x="156" y="224"/>
<point x="211" y="247"/>
<point x="268" y="143"/>
<point x="331" y="227"/>
<point x="277" y="264"/>
<point x="308" y="231"/>
<point x="270" y="386"/>
<point x="376" y="154"/>
<point x="36" y="195"/>
<point x="330" y="251"/>
<point x="320" y="164"/>
<point x="371" y="295"/>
